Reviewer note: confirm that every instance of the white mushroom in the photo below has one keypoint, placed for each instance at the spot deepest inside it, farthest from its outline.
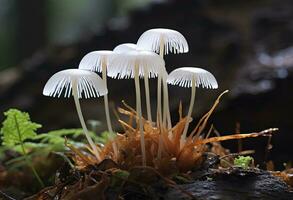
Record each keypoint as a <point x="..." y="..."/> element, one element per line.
<point x="159" y="39"/>
<point x="163" y="41"/>
<point x="122" y="48"/>
<point x="79" y="83"/>
<point x="191" y="77"/>
<point x="98" y="61"/>
<point x="135" y="64"/>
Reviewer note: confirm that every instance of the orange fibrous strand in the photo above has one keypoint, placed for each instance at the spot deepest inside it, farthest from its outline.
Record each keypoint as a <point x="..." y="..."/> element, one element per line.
<point x="173" y="158"/>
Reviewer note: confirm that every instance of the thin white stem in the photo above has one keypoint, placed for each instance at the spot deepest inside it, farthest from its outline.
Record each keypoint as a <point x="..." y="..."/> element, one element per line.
<point x="168" y="107"/>
<point x="138" y="104"/>
<point x="159" y="103"/>
<point x="166" y="113"/>
<point x="166" y="103"/>
<point x="159" y="100"/>
<point x="159" y="115"/>
<point x="147" y="95"/>
<point x="183" y="136"/>
<point x="82" y="122"/>
<point x="106" y="103"/>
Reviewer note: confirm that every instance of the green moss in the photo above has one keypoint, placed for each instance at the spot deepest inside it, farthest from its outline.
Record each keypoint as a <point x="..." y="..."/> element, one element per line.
<point x="243" y="161"/>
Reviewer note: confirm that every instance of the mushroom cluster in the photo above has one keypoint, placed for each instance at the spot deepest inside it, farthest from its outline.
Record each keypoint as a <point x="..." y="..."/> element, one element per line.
<point x="142" y="60"/>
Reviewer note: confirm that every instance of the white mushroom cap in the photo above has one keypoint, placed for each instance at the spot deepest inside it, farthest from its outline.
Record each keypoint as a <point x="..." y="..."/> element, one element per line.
<point x="93" y="60"/>
<point x="123" y="64"/>
<point x="183" y="77"/>
<point x="121" y="48"/>
<point x="174" y="41"/>
<point x="88" y="84"/>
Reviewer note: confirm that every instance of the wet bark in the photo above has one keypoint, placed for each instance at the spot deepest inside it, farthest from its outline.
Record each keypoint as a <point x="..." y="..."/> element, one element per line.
<point x="261" y="186"/>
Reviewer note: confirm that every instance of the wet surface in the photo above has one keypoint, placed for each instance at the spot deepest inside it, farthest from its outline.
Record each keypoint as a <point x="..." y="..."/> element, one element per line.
<point x="236" y="186"/>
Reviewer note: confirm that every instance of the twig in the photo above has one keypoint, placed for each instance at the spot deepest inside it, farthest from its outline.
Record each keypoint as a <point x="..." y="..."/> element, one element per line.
<point x="266" y="132"/>
<point x="6" y="196"/>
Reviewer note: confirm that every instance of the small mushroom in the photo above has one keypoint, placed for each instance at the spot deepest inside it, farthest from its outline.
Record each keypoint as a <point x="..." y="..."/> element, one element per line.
<point x="122" y="48"/>
<point x="135" y="64"/>
<point x="191" y="77"/>
<point x="79" y="83"/>
<point x="163" y="41"/>
<point x="98" y="61"/>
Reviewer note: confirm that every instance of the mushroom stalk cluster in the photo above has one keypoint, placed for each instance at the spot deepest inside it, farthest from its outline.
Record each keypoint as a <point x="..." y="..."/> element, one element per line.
<point x="122" y="48"/>
<point x="142" y="60"/>
<point x="135" y="64"/>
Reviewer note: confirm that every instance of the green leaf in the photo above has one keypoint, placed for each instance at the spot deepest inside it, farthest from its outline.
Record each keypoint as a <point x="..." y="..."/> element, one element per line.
<point x="64" y="132"/>
<point x="49" y="138"/>
<point x="56" y="138"/>
<point x="17" y="127"/>
<point x="29" y="147"/>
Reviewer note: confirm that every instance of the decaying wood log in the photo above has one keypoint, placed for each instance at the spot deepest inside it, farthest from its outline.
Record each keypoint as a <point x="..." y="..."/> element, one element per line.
<point x="144" y="183"/>
<point x="239" y="184"/>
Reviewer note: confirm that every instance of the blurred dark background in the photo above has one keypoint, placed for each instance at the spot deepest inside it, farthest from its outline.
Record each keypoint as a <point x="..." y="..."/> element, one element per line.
<point x="247" y="45"/>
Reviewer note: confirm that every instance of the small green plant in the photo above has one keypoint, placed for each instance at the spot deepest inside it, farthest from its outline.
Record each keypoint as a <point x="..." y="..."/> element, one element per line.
<point x="19" y="133"/>
<point x="17" y="128"/>
<point x="243" y="161"/>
